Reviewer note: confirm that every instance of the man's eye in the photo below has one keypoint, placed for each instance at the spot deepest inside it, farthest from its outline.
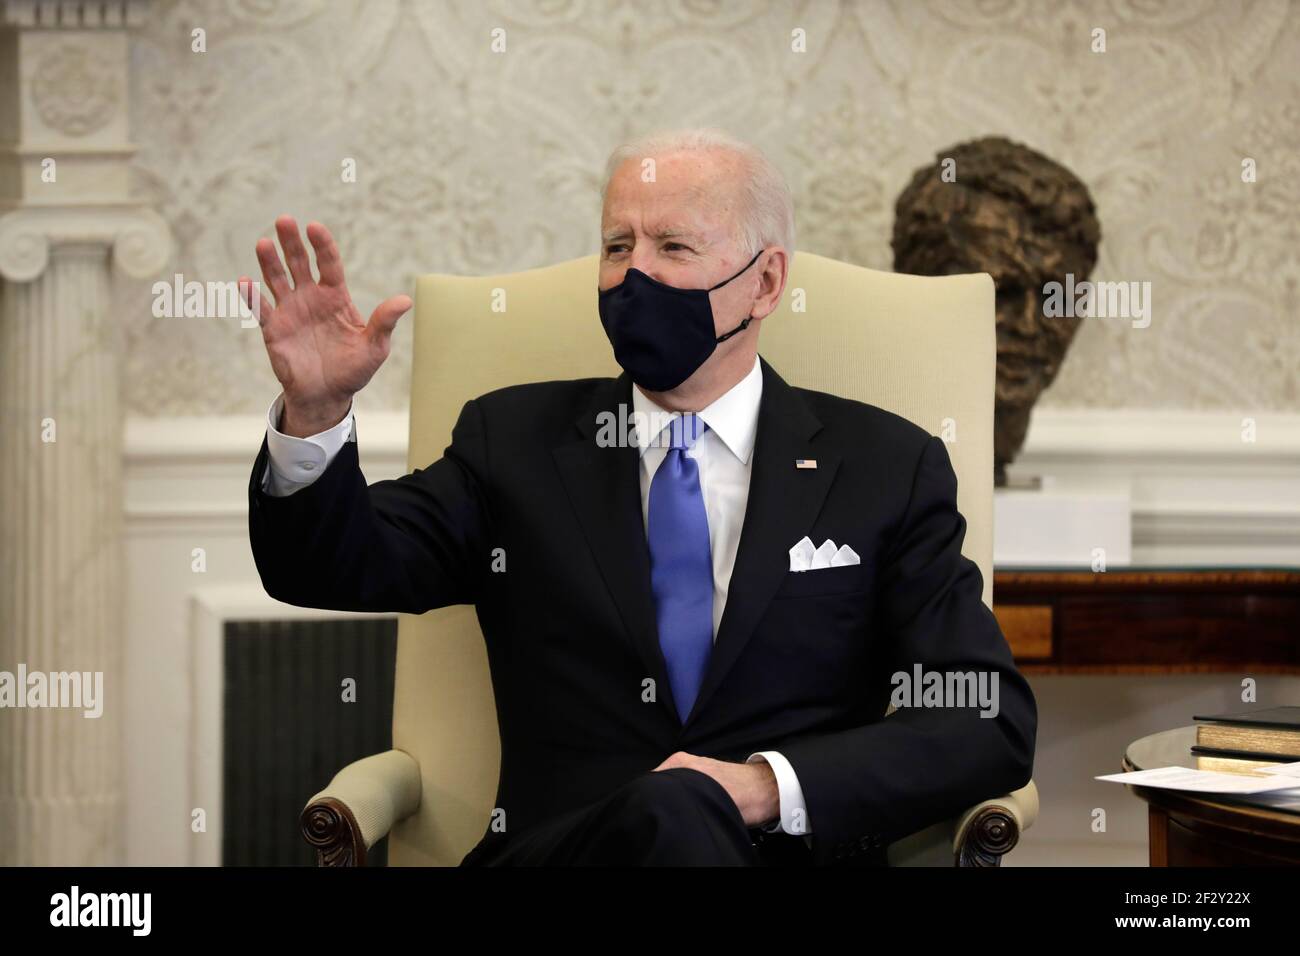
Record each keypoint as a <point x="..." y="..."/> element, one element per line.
<point x="677" y="245"/>
<point x="610" y="250"/>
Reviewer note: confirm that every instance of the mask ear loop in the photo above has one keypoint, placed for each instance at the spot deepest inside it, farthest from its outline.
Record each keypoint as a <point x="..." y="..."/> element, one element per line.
<point x="743" y="325"/>
<point x="740" y="328"/>
<point x="750" y="263"/>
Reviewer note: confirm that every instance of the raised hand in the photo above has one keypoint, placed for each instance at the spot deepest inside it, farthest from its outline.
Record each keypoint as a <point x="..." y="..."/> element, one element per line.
<point x="320" y="349"/>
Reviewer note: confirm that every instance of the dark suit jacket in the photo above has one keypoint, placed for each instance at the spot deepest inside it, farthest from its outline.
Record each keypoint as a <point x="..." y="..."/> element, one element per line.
<point x="802" y="661"/>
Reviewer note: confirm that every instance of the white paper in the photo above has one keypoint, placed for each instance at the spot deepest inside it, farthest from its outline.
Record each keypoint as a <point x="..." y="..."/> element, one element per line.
<point x="1283" y="769"/>
<point x="1203" y="781"/>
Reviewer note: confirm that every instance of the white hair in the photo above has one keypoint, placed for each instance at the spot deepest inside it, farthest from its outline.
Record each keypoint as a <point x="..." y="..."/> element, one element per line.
<point x="767" y="218"/>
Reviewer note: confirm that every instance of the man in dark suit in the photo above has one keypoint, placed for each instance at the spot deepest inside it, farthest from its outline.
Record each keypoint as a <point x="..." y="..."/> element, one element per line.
<point x="681" y="674"/>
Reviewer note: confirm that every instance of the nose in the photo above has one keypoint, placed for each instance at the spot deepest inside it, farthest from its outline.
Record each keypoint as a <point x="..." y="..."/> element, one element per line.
<point x="1016" y="310"/>
<point x="642" y="258"/>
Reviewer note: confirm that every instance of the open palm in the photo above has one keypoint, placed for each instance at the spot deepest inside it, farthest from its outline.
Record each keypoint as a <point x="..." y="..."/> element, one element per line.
<point x="320" y="349"/>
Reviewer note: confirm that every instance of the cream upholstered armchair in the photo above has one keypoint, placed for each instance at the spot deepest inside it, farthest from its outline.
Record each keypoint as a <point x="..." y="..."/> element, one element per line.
<point x="922" y="347"/>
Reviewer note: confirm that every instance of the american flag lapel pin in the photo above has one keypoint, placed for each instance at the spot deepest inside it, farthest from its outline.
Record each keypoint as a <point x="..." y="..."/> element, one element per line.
<point x="805" y="462"/>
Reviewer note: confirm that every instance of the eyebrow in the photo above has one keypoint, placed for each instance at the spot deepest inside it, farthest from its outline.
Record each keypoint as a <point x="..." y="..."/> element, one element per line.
<point x="668" y="232"/>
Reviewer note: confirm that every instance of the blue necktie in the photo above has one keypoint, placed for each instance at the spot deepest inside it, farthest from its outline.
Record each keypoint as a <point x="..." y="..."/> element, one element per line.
<point x="681" y="565"/>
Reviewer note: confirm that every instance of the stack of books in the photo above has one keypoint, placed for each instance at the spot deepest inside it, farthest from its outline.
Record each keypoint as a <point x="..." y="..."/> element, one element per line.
<point x="1241" y="742"/>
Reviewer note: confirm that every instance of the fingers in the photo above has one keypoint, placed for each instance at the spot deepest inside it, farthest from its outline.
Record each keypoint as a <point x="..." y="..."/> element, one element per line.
<point x="295" y="253"/>
<point x="328" y="260"/>
<point x="268" y="257"/>
<point x="673" y="760"/>
<point x="253" y="298"/>
<point x="384" y="319"/>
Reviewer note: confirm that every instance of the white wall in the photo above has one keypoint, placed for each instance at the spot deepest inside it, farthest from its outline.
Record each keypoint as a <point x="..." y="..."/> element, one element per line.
<point x="476" y="162"/>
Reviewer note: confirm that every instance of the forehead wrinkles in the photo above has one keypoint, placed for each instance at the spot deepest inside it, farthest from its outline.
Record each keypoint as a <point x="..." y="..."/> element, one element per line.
<point x="714" y="197"/>
<point x="705" y="208"/>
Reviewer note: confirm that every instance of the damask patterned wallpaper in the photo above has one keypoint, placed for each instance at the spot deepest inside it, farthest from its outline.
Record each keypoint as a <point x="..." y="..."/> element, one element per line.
<point x="473" y="161"/>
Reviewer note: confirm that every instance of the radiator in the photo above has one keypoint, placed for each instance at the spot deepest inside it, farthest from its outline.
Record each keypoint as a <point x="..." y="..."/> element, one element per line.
<point x="287" y="728"/>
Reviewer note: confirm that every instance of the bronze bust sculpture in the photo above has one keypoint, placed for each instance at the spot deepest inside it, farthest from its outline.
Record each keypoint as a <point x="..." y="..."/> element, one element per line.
<point x="991" y="205"/>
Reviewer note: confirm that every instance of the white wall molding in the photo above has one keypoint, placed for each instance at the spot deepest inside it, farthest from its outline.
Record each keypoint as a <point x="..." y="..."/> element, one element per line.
<point x="225" y="438"/>
<point x="1162" y="435"/>
<point x="1194" y="482"/>
<point x="188" y="471"/>
<point x="1200" y="494"/>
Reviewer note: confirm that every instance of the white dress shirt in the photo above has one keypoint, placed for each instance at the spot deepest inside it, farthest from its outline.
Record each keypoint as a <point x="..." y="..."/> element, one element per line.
<point x="724" y="455"/>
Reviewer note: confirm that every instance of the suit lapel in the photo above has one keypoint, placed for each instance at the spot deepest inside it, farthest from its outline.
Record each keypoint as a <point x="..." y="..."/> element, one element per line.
<point x="604" y="488"/>
<point x="782" y="506"/>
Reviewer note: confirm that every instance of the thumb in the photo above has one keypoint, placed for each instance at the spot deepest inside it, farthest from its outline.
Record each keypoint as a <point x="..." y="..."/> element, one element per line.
<point x="384" y="319"/>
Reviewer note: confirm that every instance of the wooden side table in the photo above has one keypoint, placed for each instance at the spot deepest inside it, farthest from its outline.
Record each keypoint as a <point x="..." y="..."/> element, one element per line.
<point x="1196" y="829"/>
<point x="1151" y="620"/>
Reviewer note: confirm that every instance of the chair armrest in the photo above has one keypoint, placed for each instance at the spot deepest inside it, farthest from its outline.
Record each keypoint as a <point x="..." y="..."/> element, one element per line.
<point x="989" y="830"/>
<point x="980" y="836"/>
<point x="360" y="806"/>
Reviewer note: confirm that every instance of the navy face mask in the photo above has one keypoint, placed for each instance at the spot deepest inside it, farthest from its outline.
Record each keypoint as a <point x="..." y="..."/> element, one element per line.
<point x="661" y="334"/>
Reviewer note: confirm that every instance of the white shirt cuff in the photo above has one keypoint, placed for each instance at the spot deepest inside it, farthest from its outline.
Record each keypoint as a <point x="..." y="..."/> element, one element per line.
<point x="794" y="813"/>
<point x="296" y="462"/>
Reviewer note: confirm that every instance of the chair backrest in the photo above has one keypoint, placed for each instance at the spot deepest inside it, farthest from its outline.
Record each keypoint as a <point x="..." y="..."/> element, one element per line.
<point x="922" y="347"/>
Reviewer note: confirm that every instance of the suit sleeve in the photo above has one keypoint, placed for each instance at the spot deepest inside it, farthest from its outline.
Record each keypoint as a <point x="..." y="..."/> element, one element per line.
<point x="410" y="544"/>
<point x="867" y="786"/>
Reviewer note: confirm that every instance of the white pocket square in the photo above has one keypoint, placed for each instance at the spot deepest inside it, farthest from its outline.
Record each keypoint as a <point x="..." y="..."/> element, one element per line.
<point x="805" y="557"/>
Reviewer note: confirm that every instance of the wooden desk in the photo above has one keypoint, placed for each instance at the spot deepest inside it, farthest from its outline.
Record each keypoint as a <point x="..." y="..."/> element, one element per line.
<point x="1143" y="621"/>
<point x="1196" y="829"/>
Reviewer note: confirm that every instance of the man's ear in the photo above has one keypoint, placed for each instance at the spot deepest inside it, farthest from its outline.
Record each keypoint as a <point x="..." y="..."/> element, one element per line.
<point x="772" y="283"/>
